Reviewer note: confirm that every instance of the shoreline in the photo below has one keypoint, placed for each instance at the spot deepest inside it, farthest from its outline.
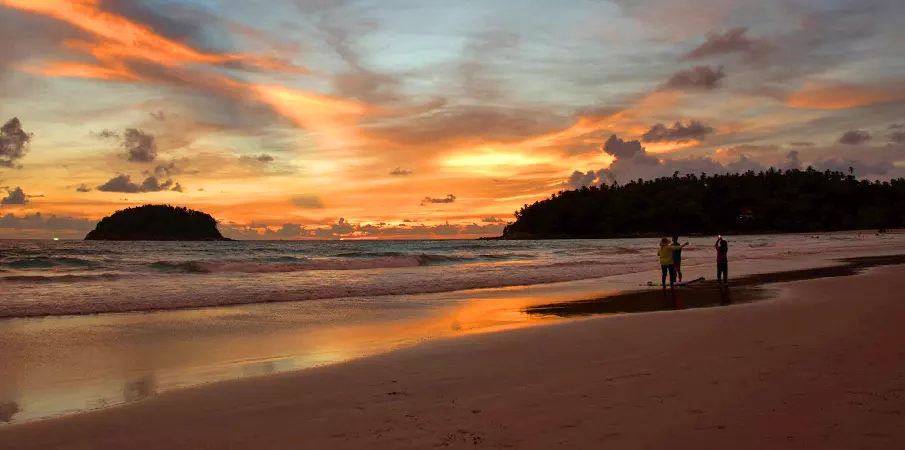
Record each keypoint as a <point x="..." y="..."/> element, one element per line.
<point x="491" y="386"/>
<point x="745" y="289"/>
<point x="616" y="281"/>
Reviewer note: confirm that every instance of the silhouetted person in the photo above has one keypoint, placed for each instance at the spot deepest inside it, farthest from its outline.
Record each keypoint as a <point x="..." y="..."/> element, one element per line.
<point x="722" y="260"/>
<point x="677" y="257"/>
<point x="667" y="264"/>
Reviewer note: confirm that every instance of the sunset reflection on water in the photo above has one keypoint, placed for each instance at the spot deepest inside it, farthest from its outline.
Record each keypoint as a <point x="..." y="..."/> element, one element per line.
<point x="60" y="365"/>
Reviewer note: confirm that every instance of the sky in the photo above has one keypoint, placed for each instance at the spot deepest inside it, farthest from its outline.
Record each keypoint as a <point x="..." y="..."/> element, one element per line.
<point x="321" y="119"/>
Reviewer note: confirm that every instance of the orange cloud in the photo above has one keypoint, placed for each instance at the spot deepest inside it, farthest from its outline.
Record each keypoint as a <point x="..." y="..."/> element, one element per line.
<point x="121" y="41"/>
<point x="79" y="70"/>
<point x="819" y="95"/>
<point x="123" y="38"/>
<point x="320" y="113"/>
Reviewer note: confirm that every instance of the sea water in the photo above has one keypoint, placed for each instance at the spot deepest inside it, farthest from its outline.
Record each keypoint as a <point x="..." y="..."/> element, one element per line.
<point x="92" y="324"/>
<point x="87" y="277"/>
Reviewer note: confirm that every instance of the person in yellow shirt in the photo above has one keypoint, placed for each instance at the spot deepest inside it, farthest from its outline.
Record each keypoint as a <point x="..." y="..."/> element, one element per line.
<point x="667" y="265"/>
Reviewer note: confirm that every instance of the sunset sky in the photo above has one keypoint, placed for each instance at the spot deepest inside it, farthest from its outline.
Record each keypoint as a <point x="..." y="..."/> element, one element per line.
<point x="424" y="118"/>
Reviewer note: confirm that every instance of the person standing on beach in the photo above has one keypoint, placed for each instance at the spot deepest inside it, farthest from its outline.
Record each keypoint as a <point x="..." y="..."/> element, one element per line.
<point x="722" y="260"/>
<point x="677" y="257"/>
<point x="667" y="265"/>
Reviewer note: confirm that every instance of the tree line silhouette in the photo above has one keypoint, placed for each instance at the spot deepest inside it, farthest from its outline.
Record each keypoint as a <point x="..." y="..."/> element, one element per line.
<point x="156" y="222"/>
<point x="767" y="201"/>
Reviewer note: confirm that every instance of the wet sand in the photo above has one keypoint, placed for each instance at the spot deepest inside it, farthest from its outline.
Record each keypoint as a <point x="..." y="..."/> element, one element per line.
<point x="707" y="294"/>
<point x="818" y="367"/>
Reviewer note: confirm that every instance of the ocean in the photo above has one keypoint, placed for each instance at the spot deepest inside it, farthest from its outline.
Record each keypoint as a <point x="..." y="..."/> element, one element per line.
<point x="43" y="278"/>
<point x="86" y="325"/>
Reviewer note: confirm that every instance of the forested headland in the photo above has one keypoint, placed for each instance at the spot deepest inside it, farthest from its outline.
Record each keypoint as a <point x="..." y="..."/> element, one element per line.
<point x="752" y="202"/>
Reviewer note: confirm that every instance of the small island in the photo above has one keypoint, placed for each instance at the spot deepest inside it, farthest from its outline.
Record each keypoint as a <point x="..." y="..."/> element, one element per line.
<point x="157" y="223"/>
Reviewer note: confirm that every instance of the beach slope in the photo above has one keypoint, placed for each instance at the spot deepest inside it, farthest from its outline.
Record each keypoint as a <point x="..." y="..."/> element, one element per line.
<point x="818" y="367"/>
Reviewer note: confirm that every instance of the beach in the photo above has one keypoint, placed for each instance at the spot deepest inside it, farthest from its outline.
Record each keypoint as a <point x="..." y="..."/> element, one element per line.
<point x="816" y="366"/>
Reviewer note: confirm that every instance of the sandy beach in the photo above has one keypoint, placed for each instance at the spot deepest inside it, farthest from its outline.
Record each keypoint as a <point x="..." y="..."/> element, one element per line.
<point x="819" y="366"/>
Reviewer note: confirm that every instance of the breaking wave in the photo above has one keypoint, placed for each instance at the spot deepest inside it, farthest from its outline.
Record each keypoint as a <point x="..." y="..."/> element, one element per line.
<point x="57" y="278"/>
<point x="360" y="261"/>
<point x="46" y="262"/>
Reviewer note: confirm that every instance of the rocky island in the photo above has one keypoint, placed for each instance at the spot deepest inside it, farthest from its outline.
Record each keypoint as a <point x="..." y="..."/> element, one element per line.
<point x="157" y="223"/>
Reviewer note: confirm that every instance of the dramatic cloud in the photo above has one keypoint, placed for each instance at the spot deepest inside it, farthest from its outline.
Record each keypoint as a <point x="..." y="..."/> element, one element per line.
<point x="152" y="184"/>
<point x="13" y="143"/>
<point x="732" y="41"/>
<point x="83" y="188"/>
<point x="264" y="158"/>
<point x="633" y="162"/>
<point x="696" y="78"/>
<point x="131" y="42"/>
<point x="870" y="163"/>
<point x="802" y="144"/>
<point x="897" y="137"/>
<point x="622" y="149"/>
<point x="581" y="179"/>
<point x="15" y="197"/>
<point x="400" y="172"/>
<point x="123" y="183"/>
<point x="140" y="146"/>
<point x="308" y="201"/>
<point x="492" y="220"/>
<point x="679" y="132"/>
<point x="430" y="200"/>
<point x="165" y="170"/>
<point x="855" y="137"/>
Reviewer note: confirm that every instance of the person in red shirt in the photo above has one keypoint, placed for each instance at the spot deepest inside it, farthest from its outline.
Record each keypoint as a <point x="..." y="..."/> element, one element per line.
<point x="722" y="260"/>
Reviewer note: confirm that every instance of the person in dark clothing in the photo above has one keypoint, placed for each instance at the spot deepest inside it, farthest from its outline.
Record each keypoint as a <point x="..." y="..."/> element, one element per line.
<point x="722" y="260"/>
<point x="677" y="257"/>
